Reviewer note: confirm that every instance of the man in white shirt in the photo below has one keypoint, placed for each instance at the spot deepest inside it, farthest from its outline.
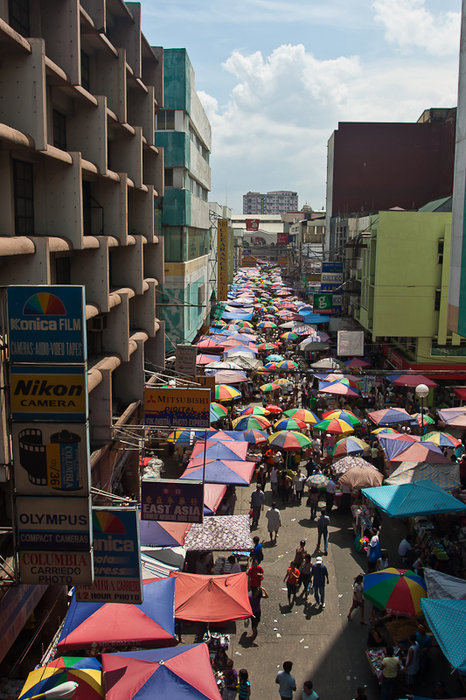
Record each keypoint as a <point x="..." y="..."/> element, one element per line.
<point x="274" y="520"/>
<point x="404" y="547"/>
<point x="330" y="495"/>
<point x="274" y="479"/>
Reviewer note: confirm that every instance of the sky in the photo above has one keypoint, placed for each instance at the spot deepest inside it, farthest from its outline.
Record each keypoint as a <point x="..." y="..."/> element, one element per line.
<point x="276" y="76"/>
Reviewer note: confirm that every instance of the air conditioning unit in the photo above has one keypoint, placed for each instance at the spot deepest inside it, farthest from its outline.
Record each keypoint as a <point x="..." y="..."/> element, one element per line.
<point x="97" y="324"/>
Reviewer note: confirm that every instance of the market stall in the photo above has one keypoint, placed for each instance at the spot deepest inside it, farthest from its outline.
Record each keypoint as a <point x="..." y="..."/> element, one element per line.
<point x="220" y="533"/>
<point x="211" y="599"/>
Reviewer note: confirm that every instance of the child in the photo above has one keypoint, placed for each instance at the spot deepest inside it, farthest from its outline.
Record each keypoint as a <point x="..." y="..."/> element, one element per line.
<point x="244" y="686"/>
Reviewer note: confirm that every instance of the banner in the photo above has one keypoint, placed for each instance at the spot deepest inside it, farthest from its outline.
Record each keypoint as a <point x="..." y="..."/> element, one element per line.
<point x="117" y="564"/>
<point x="252" y="224"/>
<point x="177" y="408"/>
<point x="172" y="501"/>
<point x="282" y="238"/>
<point x="185" y="359"/>
<point x="222" y="260"/>
<point x="322" y="302"/>
<point x="350" y="343"/>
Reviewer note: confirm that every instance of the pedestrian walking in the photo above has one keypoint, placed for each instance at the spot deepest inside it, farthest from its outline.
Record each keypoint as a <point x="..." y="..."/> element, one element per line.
<point x="322" y="530"/>
<point x="358" y="598"/>
<point x="298" y="483"/>
<point x="305" y="575"/>
<point x="308" y="692"/>
<point x="255" y="598"/>
<point x="319" y="578"/>
<point x="330" y="495"/>
<point x="285" y="681"/>
<point x="274" y="521"/>
<point x="300" y="553"/>
<point x="291" y="579"/>
<point x="255" y="574"/>
<point x="257" y="504"/>
<point x="413" y="661"/>
<point x="257" y="552"/>
<point x="313" y="501"/>
<point x="244" y="686"/>
<point x="230" y="679"/>
<point x="274" y="476"/>
<point x="391" y="667"/>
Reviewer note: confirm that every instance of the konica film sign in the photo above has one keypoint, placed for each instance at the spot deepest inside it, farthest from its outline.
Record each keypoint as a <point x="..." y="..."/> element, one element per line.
<point x="54" y="524"/>
<point x="56" y="394"/>
<point x="47" y="323"/>
<point x="117" y="563"/>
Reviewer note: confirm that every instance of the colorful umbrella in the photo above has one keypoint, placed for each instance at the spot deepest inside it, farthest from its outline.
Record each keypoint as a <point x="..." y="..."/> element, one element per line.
<point x="289" y="424"/>
<point x="87" y="672"/>
<point x="289" y="440"/>
<point x="283" y="381"/>
<point x="217" y="412"/>
<point x="255" y="437"/>
<point x="318" y="480"/>
<point x="184" y="672"/>
<point x="187" y="436"/>
<point x="346" y="463"/>
<point x="384" y="431"/>
<point x="441" y="439"/>
<point x="289" y="336"/>
<point x="219" y="471"/>
<point x="274" y="358"/>
<point x="287" y="365"/>
<point x="347" y="416"/>
<point x="223" y="392"/>
<point x="334" y="425"/>
<point x="271" y="367"/>
<point x="398" y="591"/>
<point x="266" y="324"/>
<point x="206" y="359"/>
<point x="254" y="411"/>
<point x="272" y="408"/>
<point x="273" y="386"/>
<point x="423" y="419"/>
<point x="251" y="423"/>
<point x="339" y="387"/>
<point x="220" y="449"/>
<point x="349" y="446"/>
<point x="390" y="416"/>
<point x="266" y="347"/>
<point x="425" y="452"/>
<point x="302" y="414"/>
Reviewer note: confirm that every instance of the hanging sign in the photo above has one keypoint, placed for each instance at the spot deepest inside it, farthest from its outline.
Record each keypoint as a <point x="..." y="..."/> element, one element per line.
<point x="172" y="501"/>
<point x="177" y="408"/>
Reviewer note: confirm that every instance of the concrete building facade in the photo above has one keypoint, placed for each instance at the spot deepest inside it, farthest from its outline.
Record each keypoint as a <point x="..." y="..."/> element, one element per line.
<point x="271" y="203"/>
<point x="80" y="173"/>
<point x="184" y="132"/>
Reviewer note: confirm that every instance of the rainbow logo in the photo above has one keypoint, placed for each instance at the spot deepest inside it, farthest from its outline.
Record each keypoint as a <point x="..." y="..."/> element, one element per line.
<point x="44" y="304"/>
<point x="107" y="523"/>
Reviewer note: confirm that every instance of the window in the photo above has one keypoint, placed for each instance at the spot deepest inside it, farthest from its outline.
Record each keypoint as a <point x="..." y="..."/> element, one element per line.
<point x="440" y="251"/>
<point x="168" y="177"/>
<point x="201" y="297"/>
<point x="87" y="208"/>
<point x="62" y="270"/>
<point x="85" y="71"/>
<point x="438" y="296"/>
<point x="18" y="16"/>
<point x="23" y="193"/>
<point x="166" y="120"/>
<point x="59" y="130"/>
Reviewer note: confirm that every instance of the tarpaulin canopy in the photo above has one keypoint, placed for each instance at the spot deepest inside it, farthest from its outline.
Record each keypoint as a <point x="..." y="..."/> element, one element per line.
<point x="389" y="416"/>
<point x="443" y="475"/>
<point x="217" y="449"/>
<point x="219" y="471"/>
<point x="148" y="624"/>
<point x="440" y="585"/>
<point x="237" y="315"/>
<point x="153" y="568"/>
<point x="447" y="620"/>
<point x="204" y="598"/>
<point x="421" y="452"/>
<point x="185" y="672"/>
<point x="412" y="380"/>
<point x="155" y="534"/>
<point x="213" y="494"/>
<point x="220" y="533"/>
<point x="314" y="318"/>
<point x="409" y="500"/>
<point x="460" y="391"/>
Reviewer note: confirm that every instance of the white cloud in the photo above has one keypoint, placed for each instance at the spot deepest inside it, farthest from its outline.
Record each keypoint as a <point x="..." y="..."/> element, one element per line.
<point x="410" y="25"/>
<point x="272" y="133"/>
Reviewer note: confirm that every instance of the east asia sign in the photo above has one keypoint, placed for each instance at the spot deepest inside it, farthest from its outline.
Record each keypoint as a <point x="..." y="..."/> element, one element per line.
<point x="47" y="324"/>
<point x="172" y="501"/>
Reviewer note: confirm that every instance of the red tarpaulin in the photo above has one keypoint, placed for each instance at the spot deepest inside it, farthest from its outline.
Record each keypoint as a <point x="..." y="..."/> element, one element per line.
<point x="204" y="598"/>
<point x="213" y="494"/>
<point x="460" y="391"/>
<point x="216" y="449"/>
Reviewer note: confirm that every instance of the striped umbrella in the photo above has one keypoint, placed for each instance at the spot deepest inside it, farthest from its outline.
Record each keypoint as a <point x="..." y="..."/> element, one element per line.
<point x="284" y="381"/>
<point x="266" y="347"/>
<point x="244" y="324"/>
<point x="347" y="416"/>
<point x="340" y="387"/>
<point x="289" y="424"/>
<point x="271" y="366"/>
<point x="384" y="431"/>
<point x="186" y="436"/>
<point x="289" y="336"/>
<point x="218" y="324"/>
<point x="349" y="446"/>
<point x="255" y="437"/>
<point x="318" y="480"/>
<point x="334" y="425"/>
<point x="251" y="423"/>
<point x="289" y="440"/>
<point x="398" y="591"/>
<point x="302" y="414"/>
<point x="224" y="392"/>
<point x="266" y="324"/>
<point x="217" y="412"/>
<point x="271" y="408"/>
<point x="254" y="411"/>
<point x="441" y="439"/>
<point x="423" y="419"/>
<point x="85" y="671"/>
<point x="287" y="365"/>
<point x="271" y="386"/>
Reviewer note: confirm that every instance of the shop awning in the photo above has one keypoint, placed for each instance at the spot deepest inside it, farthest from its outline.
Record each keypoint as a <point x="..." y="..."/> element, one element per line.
<point x="440" y="585"/>
<point x="202" y="598"/>
<point x="220" y="533"/>
<point x="447" y="620"/>
<point x="447" y="477"/>
<point x="460" y="391"/>
<point x="410" y="500"/>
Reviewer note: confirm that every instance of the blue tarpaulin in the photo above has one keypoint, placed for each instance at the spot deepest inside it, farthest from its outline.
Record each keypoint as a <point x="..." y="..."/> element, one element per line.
<point x="313" y="318"/>
<point x="238" y="315"/>
<point x="410" y="500"/>
<point x="447" y="620"/>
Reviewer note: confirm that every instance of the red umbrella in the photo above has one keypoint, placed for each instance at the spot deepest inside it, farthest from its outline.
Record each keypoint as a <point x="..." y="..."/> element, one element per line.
<point x="413" y="380"/>
<point x="271" y="408"/>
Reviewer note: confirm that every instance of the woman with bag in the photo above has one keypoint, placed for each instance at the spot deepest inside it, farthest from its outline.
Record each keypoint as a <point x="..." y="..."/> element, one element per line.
<point x="291" y="579"/>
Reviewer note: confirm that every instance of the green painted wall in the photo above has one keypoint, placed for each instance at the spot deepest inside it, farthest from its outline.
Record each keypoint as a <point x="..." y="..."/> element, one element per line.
<point x="176" y="210"/>
<point x="177" y="148"/>
<point x="177" y="79"/>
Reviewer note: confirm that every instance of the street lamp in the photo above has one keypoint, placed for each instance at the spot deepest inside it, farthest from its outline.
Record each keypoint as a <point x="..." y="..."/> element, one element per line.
<point x="421" y="392"/>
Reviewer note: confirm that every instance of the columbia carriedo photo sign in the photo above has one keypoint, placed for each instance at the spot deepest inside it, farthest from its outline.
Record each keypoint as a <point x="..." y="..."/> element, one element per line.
<point x="177" y="408"/>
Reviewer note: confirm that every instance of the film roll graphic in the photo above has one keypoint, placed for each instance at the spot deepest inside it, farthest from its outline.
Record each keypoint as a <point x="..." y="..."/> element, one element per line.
<point x="55" y="464"/>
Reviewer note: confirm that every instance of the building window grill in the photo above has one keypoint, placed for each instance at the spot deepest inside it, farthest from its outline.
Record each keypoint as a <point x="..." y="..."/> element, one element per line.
<point x="23" y="193"/>
<point x="18" y="16"/>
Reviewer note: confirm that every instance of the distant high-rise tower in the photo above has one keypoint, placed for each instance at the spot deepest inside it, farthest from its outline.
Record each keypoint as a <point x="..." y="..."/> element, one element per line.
<point x="271" y="203"/>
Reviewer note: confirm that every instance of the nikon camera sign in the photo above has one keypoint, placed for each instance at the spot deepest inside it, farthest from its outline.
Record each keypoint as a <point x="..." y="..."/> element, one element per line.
<point x="57" y="394"/>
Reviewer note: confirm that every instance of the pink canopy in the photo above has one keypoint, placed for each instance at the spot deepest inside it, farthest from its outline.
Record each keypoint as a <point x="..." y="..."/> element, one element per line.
<point x="204" y="598"/>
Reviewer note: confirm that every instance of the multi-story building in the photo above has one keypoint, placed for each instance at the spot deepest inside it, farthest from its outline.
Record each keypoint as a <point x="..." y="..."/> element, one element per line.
<point x="80" y="173"/>
<point x="401" y="261"/>
<point x="271" y="203"/>
<point x="184" y="132"/>
<point x="379" y="166"/>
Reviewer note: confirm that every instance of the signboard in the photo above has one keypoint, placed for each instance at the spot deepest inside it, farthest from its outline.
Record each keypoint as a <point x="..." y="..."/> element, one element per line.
<point x="332" y="267"/>
<point x="50" y="459"/>
<point x="68" y="568"/>
<point x="222" y="260"/>
<point x="283" y="262"/>
<point x="172" y="501"/>
<point x="207" y="383"/>
<point x="322" y="302"/>
<point x="117" y="564"/>
<point x="53" y="524"/>
<point x="48" y="394"/>
<point x="177" y="408"/>
<point x="46" y="323"/>
<point x="330" y="280"/>
<point x="282" y="238"/>
<point x="350" y="343"/>
<point x="247" y="251"/>
<point x="252" y="224"/>
<point x="185" y="362"/>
